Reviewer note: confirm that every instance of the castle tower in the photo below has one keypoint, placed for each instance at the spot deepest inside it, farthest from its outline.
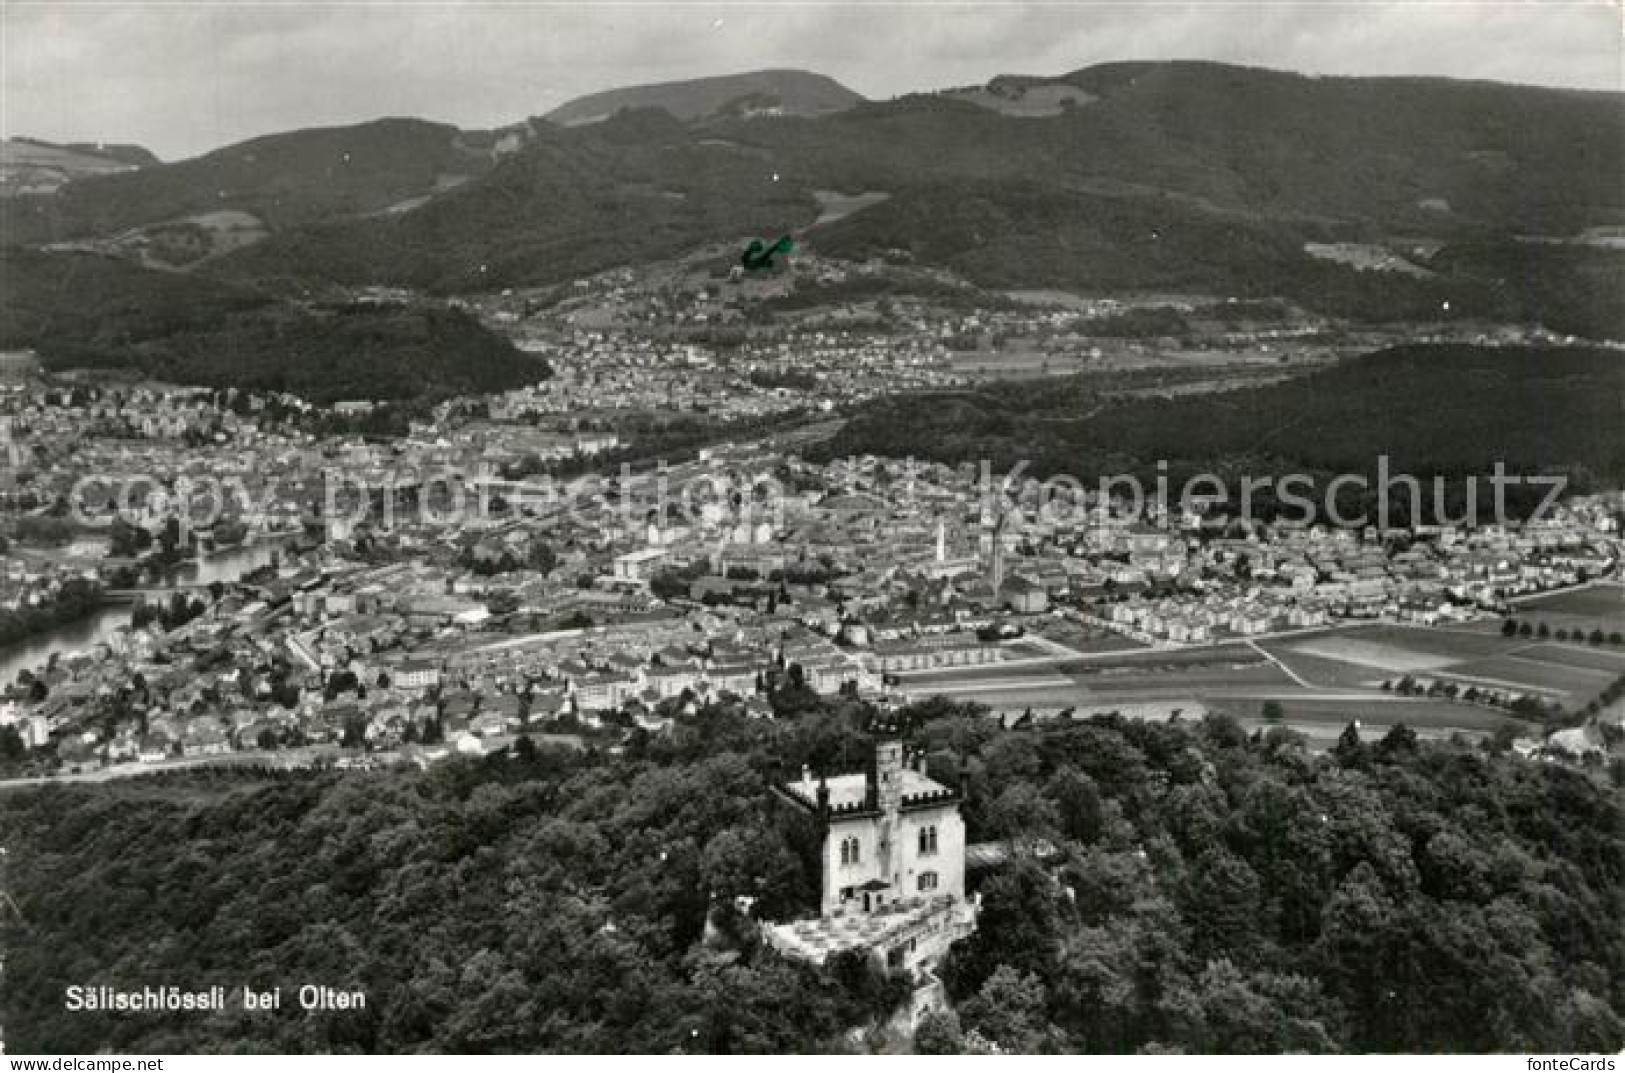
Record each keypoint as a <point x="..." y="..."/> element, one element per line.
<point x="889" y="774"/>
<point x="888" y="799"/>
<point x="894" y="843"/>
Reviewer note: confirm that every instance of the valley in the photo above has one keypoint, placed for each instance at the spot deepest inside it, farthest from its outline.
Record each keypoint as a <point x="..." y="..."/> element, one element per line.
<point x="1123" y="560"/>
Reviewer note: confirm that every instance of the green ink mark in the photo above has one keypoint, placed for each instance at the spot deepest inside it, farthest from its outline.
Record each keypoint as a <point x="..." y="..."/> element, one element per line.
<point x="759" y="255"/>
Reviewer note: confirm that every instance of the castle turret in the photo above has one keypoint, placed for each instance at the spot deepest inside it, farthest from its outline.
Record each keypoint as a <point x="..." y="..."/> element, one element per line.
<point x="888" y="774"/>
<point x="893" y="844"/>
<point x="888" y="798"/>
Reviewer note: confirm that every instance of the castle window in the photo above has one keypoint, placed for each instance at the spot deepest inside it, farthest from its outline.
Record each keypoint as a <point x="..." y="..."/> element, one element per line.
<point x="928" y="881"/>
<point x="928" y="840"/>
<point x="846" y="851"/>
<point x="855" y="847"/>
<point x="933" y="840"/>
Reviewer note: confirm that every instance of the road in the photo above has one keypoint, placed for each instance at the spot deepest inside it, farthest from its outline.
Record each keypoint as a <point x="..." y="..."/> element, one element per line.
<point x="274" y="758"/>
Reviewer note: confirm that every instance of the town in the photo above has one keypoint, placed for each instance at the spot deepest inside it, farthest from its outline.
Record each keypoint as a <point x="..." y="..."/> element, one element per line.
<point x="531" y="564"/>
<point x="1007" y="529"/>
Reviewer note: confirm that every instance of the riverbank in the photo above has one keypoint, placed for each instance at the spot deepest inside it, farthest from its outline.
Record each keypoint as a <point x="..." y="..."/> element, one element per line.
<point x="87" y="632"/>
<point x="78" y="600"/>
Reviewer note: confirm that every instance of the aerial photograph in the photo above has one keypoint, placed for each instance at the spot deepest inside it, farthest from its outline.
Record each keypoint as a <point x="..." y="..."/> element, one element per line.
<point x="811" y="527"/>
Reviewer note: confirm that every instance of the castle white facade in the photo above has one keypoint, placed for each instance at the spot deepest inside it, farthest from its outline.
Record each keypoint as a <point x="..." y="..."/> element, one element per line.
<point x="893" y="865"/>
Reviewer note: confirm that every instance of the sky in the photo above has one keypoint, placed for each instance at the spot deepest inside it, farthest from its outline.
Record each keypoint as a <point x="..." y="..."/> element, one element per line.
<point x="183" y="77"/>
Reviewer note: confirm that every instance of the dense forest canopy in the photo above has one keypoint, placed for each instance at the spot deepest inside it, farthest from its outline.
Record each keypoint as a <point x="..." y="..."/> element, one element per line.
<point x="1173" y="176"/>
<point x="284" y="180"/>
<point x="84" y="310"/>
<point x="1212" y="892"/>
<point x="1450" y="411"/>
<point x="1191" y="177"/>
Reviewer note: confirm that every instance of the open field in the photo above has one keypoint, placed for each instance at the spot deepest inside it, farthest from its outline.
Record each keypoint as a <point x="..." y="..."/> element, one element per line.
<point x="1228" y="368"/>
<point x="1366" y="656"/>
<point x="1111" y="642"/>
<point x="1323" y="679"/>
<point x="1323" y="671"/>
<point x="835" y="205"/>
<point x="1611" y="660"/>
<point x="1321" y="715"/>
<point x="1602" y="601"/>
<point x="1015" y="364"/>
<point x="1381" y="713"/>
<point x="1036" y="691"/>
<point x="1201" y="681"/>
<point x="948" y="677"/>
<point x="1364" y="257"/>
<point x="1057" y="683"/>
<point x="1151" y="659"/>
<point x="1023" y="101"/>
<point x="1391" y="659"/>
<point x="1401" y="649"/>
<point x="1568" y="685"/>
<point x="1592" y="607"/>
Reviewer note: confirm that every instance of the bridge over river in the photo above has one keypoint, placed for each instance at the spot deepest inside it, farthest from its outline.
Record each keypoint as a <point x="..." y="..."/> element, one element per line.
<point x="86" y="633"/>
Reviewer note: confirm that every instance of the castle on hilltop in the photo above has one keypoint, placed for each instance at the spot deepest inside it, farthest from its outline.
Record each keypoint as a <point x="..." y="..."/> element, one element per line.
<point x="893" y="864"/>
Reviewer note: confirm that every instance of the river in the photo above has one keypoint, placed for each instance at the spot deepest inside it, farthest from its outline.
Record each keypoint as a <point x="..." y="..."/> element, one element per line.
<point x="86" y="633"/>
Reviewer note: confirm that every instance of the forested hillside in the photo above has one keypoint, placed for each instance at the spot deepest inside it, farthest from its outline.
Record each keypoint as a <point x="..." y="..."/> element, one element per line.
<point x="1179" y="176"/>
<point x="1211" y="893"/>
<point x="1153" y="176"/>
<point x="639" y="185"/>
<point x="1451" y="411"/>
<point x="84" y="310"/>
<point x="284" y="180"/>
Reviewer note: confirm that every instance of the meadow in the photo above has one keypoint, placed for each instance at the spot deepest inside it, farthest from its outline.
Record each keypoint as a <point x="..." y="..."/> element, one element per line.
<point x="1570" y="674"/>
<point x="1592" y="607"/>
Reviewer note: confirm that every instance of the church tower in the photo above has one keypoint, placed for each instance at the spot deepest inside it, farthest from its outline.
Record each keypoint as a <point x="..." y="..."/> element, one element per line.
<point x="995" y="539"/>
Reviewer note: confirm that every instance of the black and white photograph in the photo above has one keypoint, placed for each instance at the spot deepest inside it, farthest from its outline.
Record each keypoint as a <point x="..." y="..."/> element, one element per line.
<point x="798" y="527"/>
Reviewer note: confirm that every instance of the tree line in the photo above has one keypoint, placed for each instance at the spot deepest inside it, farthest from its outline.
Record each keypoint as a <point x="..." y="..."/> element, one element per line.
<point x="1180" y="886"/>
